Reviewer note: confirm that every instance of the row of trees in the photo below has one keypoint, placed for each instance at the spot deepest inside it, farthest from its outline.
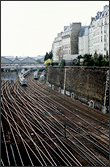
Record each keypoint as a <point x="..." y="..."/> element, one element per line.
<point x="88" y="60"/>
<point x="95" y="60"/>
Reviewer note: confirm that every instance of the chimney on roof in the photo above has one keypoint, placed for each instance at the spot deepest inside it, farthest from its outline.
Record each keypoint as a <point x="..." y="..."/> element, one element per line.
<point x="106" y="7"/>
<point x="92" y="18"/>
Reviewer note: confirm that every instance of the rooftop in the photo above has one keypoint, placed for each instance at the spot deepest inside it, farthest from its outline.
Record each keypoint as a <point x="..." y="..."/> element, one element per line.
<point x="82" y="32"/>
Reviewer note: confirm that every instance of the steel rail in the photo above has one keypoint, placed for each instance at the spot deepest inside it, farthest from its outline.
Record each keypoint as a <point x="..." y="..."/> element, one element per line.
<point x="79" y="117"/>
<point x="24" y="110"/>
<point x="14" y="139"/>
<point x="23" y="140"/>
<point x="89" y="150"/>
<point x="48" y="97"/>
<point x="59" y="140"/>
<point x="10" y="147"/>
<point x="98" y="142"/>
<point x="46" y="87"/>
<point x="85" y="152"/>
<point x="5" y="144"/>
<point x="26" y="134"/>
<point x="13" y="155"/>
<point x="107" y="152"/>
<point x="61" y="158"/>
<point x="41" y="106"/>
<point x="55" y="92"/>
<point x="91" y="163"/>
<point x="85" y="147"/>
<point x="67" y="118"/>
<point x="38" y="150"/>
<point x="39" y="140"/>
<point x="24" y="144"/>
<point x="2" y="162"/>
<point x="42" y="113"/>
<point x="48" y="126"/>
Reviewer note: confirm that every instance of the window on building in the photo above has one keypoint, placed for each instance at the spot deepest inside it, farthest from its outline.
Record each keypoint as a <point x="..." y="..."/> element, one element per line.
<point x="101" y="30"/>
<point x="101" y="38"/>
<point x="102" y="22"/>
<point x="104" y="46"/>
<point x="105" y="21"/>
<point x="104" y="38"/>
<point x="104" y="29"/>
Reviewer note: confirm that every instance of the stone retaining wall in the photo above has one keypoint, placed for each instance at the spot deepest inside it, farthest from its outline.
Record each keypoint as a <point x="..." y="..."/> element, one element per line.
<point x="85" y="83"/>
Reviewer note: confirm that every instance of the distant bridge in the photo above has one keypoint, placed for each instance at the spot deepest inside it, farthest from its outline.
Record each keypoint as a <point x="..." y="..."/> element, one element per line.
<point x="19" y="67"/>
<point x="8" y="79"/>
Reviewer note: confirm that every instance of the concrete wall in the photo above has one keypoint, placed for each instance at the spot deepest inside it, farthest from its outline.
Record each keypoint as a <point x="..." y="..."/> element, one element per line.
<point x="86" y="83"/>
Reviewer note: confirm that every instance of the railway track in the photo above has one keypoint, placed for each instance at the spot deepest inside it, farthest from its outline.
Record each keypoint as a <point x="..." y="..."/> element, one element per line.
<point x="37" y="122"/>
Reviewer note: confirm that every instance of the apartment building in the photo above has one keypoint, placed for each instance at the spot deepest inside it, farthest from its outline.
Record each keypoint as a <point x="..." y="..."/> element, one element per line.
<point x="98" y="36"/>
<point x="66" y="43"/>
<point x="77" y="40"/>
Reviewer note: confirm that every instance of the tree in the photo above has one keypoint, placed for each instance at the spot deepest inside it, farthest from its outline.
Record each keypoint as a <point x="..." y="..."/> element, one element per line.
<point x="62" y="63"/>
<point x="104" y="62"/>
<point x="78" y="62"/>
<point x="100" y="58"/>
<point x="51" y="63"/>
<point x="47" y="62"/>
<point x="90" y="62"/>
<point x="46" y="56"/>
<point x="95" y="59"/>
<point x="79" y="56"/>
<point x="50" y="54"/>
<point x="59" y="53"/>
<point x="87" y="59"/>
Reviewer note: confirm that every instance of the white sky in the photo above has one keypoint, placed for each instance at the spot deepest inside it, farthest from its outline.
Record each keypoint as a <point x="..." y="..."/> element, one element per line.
<point x="28" y="28"/>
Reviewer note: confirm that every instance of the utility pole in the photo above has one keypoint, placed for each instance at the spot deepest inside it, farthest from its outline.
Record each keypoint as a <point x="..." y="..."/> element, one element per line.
<point x="64" y="80"/>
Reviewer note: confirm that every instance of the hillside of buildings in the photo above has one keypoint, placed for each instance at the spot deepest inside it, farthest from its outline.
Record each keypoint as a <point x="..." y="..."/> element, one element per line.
<point x="78" y="40"/>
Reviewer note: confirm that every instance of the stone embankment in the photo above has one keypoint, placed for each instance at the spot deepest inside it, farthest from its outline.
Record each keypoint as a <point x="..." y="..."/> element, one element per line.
<point x="86" y="84"/>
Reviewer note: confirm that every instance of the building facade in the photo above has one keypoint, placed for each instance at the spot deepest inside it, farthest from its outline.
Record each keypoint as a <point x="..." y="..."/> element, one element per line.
<point x="83" y="40"/>
<point x="66" y="43"/>
<point x="99" y="33"/>
<point x="77" y="40"/>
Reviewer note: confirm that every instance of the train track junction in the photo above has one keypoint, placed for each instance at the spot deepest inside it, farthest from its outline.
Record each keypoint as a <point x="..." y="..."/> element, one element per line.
<point x="42" y="127"/>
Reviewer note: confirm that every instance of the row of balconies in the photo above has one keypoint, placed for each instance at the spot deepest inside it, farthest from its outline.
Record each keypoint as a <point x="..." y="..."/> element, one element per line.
<point x="102" y="24"/>
<point x="97" y="40"/>
<point x="97" y="34"/>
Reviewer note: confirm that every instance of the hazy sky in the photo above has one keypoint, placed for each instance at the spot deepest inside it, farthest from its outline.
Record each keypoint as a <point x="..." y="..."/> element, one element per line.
<point x="28" y="28"/>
